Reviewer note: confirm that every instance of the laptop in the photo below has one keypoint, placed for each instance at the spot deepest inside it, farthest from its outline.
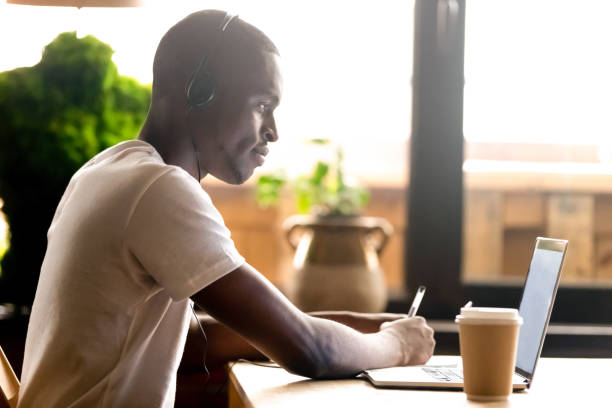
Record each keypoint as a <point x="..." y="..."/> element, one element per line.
<point x="535" y="308"/>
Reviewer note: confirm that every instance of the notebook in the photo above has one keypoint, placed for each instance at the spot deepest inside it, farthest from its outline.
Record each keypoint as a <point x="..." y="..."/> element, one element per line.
<point x="535" y="309"/>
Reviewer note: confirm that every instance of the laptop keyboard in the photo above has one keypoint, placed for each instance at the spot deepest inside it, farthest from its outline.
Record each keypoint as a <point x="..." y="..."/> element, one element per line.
<point x="445" y="374"/>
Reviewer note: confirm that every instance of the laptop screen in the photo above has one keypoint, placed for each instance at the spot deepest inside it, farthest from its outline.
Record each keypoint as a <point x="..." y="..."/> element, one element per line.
<point x="537" y="301"/>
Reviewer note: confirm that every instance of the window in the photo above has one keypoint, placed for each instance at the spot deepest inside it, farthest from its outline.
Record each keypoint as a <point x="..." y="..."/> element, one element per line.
<point x="537" y="102"/>
<point x="534" y="160"/>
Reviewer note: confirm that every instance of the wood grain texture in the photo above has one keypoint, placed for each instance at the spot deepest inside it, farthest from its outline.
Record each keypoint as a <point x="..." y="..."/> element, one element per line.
<point x="483" y="234"/>
<point x="571" y="217"/>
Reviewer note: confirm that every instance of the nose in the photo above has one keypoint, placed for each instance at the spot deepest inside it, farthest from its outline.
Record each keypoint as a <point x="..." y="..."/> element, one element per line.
<point x="270" y="134"/>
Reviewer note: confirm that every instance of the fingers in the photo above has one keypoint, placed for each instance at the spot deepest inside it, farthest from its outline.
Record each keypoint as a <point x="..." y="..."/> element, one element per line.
<point x="422" y="355"/>
<point x="427" y="345"/>
<point x="415" y="339"/>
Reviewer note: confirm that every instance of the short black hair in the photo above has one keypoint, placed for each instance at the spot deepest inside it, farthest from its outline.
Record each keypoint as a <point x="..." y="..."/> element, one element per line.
<point x="184" y="44"/>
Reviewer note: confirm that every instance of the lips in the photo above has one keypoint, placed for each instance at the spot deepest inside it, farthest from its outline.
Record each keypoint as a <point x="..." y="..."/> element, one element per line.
<point x="262" y="150"/>
<point x="260" y="153"/>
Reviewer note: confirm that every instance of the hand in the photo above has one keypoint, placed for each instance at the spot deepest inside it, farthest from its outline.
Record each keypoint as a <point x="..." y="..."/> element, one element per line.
<point x="415" y="339"/>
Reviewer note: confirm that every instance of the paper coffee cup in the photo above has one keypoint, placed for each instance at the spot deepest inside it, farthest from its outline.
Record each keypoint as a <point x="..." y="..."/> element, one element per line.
<point x="488" y="339"/>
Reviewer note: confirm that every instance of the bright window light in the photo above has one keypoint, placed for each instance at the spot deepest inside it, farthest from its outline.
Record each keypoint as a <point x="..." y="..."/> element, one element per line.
<point x="538" y="71"/>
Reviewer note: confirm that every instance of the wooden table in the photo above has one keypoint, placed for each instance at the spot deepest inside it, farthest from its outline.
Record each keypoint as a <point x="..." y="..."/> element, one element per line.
<point x="554" y="386"/>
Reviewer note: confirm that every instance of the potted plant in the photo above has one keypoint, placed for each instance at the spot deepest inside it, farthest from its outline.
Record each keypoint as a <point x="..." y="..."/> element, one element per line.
<point x="336" y="264"/>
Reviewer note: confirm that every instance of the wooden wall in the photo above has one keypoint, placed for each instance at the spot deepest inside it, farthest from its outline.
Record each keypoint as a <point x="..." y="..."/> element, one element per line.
<point x="500" y="227"/>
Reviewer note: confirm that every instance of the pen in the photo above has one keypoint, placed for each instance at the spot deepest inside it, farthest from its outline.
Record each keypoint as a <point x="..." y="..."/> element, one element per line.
<point x="417" y="301"/>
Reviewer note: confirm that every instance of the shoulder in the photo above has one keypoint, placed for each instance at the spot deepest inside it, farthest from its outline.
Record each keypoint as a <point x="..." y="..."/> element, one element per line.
<point x="175" y="184"/>
<point x="172" y="193"/>
<point x="137" y="169"/>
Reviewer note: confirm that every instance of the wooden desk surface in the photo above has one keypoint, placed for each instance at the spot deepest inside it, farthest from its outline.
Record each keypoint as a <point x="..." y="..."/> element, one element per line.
<point x="258" y="387"/>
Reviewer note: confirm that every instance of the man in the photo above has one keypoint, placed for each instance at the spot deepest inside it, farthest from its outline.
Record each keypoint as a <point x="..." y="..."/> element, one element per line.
<point x="135" y="237"/>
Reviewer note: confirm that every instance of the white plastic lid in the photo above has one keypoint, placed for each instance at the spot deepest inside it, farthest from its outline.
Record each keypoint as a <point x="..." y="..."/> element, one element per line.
<point x="489" y="314"/>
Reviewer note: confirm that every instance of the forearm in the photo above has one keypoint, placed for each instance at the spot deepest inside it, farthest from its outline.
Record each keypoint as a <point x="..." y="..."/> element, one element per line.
<point x="342" y="351"/>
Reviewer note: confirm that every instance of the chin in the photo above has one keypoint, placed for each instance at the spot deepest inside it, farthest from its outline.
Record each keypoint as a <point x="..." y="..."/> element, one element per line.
<point x="239" y="177"/>
<point x="235" y="182"/>
<point x="235" y="174"/>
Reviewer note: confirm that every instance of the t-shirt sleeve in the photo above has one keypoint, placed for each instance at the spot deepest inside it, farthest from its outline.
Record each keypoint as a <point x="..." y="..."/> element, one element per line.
<point x="179" y="237"/>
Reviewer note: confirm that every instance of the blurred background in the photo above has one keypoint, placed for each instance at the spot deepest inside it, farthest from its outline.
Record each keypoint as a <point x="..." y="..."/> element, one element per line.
<point x="475" y="125"/>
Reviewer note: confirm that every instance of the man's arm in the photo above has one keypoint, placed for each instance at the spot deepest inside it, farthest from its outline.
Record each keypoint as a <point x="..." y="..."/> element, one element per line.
<point x="252" y="307"/>
<point x="223" y="344"/>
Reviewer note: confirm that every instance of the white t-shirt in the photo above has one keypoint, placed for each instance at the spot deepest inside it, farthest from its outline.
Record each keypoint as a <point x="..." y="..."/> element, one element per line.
<point x="131" y="240"/>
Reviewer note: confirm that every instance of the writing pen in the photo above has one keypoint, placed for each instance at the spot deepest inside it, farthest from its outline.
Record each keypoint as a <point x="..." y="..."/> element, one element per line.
<point x="417" y="301"/>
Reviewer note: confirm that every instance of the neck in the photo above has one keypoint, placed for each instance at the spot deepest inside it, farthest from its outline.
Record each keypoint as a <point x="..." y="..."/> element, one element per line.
<point x="173" y="143"/>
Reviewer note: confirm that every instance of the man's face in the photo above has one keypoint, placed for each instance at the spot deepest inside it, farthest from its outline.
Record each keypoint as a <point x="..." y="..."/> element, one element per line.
<point x="242" y="118"/>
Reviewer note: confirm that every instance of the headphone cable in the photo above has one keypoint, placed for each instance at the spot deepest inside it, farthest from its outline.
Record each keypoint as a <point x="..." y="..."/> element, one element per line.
<point x="196" y="151"/>
<point x="206" y="372"/>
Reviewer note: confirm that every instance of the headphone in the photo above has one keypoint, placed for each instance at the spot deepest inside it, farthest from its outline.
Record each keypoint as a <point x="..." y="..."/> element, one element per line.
<point x="200" y="89"/>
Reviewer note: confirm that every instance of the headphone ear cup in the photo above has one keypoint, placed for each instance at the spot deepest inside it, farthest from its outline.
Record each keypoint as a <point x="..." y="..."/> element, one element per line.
<point x="201" y="89"/>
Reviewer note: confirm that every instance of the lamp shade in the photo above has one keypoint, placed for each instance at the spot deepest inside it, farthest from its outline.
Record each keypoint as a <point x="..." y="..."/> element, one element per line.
<point x="79" y="3"/>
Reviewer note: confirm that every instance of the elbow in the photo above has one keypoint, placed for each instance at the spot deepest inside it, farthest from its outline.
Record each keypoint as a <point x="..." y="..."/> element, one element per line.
<point x="311" y="366"/>
<point x="317" y="353"/>
<point x="314" y="360"/>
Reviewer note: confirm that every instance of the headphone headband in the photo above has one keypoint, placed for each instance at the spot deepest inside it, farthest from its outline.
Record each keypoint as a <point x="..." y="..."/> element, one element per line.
<point x="226" y="21"/>
<point x="200" y="90"/>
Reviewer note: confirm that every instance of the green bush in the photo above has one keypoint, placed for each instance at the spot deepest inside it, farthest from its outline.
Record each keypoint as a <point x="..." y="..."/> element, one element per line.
<point x="54" y="116"/>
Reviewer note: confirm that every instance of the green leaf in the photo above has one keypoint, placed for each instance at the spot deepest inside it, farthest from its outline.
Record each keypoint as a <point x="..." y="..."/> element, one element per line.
<point x="319" y="173"/>
<point x="320" y="141"/>
<point x="268" y="188"/>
